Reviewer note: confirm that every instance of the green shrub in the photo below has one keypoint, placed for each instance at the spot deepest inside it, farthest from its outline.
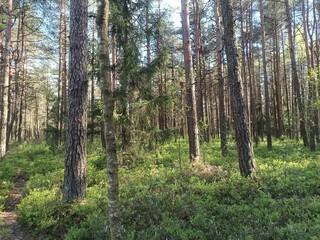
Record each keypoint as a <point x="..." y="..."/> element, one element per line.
<point x="163" y="197"/>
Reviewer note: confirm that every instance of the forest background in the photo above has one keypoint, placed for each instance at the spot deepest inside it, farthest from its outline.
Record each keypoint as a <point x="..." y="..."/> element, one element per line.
<point x="241" y="72"/>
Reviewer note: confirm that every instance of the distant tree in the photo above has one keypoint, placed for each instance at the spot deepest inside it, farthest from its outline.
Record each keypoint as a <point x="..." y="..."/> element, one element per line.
<point x="192" y="120"/>
<point x="295" y="78"/>
<point x="75" y="163"/>
<point x="62" y="78"/>
<point x="219" y="55"/>
<point x="245" y="152"/>
<point x="310" y="77"/>
<point x="197" y="9"/>
<point x="265" y="78"/>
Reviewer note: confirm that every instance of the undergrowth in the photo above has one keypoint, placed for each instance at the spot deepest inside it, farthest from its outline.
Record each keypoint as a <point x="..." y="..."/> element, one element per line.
<point x="164" y="197"/>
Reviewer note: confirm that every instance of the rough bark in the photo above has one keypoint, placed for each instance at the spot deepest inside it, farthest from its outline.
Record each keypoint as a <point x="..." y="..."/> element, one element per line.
<point x="192" y="120"/>
<point x="245" y="152"/>
<point x="109" y="126"/>
<point x="75" y="163"/>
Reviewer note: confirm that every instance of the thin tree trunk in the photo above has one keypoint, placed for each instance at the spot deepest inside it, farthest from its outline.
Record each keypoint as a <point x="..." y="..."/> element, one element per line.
<point x="92" y="102"/>
<point x="192" y="120"/>
<point x="108" y="108"/>
<point x="310" y="80"/>
<point x="253" y="88"/>
<point x="58" y="113"/>
<point x="198" y="80"/>
<point x="295" y="78"/>
<point x="278" y="85"/>
<point x="244" y="74"/>
<point x="287" y="87"/>
<point x="316" y="62"/>
<point x="265" y="78"/>
<point x="64" y="76"/>
<point x="222" y="111"/>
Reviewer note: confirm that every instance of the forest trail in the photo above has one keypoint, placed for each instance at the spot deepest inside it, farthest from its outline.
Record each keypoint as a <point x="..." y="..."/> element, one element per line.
<point x="10" y="228"/>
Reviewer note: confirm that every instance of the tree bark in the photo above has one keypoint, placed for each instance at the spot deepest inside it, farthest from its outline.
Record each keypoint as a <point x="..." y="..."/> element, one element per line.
<point x="265" y="78"/>
<point x="192" y="120"/>
<point x="245" y="152"/>
<point x="5" y="85"/>
<point x="109" y="126"/>
<point x="75" y="163"/>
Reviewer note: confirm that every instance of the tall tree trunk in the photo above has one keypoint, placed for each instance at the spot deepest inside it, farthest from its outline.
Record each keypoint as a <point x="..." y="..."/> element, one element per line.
<point x="64" y="75"/>
<point x="110" y="130"/>
<point x="310" y="80"/>
<point x="58" y="113"/>
<point x="316" y="57"/>
<point x="222" y="111"/>
<point x="265" y="78"/>
<point x="296" y="84"/>
<point x="198" y="43"/>
<point x="17" y="59"/>
<point x="5" y="85"/>
<point x="114" y="61"/>
<point x="75" y="163"/>
<point x="245" y="152"/>
<point x="287" y="89"/>
<point x="23" y="91"/>
<point x="192" y="120"/>
<point x="277" y="79"/>
<point x="244" y="74"/>
<point x="253" y="88"/>
<point x="92" y="101"/>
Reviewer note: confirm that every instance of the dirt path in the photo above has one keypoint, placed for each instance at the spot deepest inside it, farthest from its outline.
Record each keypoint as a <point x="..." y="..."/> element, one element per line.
<point x="10" y="228"/>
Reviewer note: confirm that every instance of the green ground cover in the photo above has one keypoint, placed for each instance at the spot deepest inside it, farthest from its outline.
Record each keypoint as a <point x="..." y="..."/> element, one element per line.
<point x="163" y="197"/>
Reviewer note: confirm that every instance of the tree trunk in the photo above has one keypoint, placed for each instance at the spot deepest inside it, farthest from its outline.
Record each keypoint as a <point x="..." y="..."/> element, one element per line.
<point x="253" y="88"/>
<point x="245" y="152"/>
<point x="310" y="80"/>
<point x="192" y="120"/>
<point x="265" y="78"/>
<point x="5" y="84"/>
<point x="295" y="78"/>
<point x="75" y="163"/>
<point x="198" y="80"/>
<point x="64" y="75"/>
<point x="109" y="126"/>
<point x="222" y="111"/>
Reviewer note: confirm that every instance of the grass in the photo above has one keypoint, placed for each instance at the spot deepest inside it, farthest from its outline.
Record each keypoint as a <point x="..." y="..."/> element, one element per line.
<point x="164" y="197"/>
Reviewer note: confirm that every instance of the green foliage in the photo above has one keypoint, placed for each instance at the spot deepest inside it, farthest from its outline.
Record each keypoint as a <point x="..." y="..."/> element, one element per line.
<point x="52" y="137"/>
<point x="163" y="197"/>
<point x="5" y="188"/>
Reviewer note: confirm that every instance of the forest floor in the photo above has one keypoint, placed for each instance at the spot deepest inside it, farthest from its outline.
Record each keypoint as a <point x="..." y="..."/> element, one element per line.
<point x="162" y="196"/>
<point x="10" y="228"/>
